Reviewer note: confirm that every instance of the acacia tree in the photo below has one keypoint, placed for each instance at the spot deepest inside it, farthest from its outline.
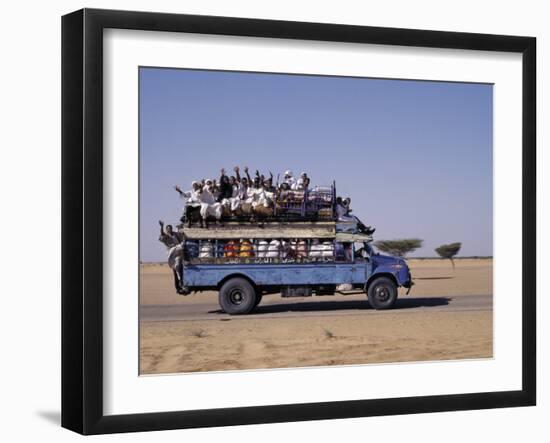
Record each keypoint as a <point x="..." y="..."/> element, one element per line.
<point x="449" y="251"/>
<point x="400" y="247"/>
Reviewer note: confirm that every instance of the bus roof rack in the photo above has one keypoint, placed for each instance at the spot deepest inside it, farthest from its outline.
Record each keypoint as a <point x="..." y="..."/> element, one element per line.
<point x="346" y="237"/>
<point x="234" y="230"/>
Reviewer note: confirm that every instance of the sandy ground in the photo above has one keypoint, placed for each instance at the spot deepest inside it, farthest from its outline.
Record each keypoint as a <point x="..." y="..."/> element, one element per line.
<point x="312" y="335"/>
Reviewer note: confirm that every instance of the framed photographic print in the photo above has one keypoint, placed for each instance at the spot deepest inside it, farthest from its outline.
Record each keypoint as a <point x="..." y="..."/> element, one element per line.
<point x="268" y="221"/>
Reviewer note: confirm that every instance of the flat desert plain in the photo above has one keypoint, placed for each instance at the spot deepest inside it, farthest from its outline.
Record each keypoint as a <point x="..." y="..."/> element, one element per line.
<point x="447" y="315"/>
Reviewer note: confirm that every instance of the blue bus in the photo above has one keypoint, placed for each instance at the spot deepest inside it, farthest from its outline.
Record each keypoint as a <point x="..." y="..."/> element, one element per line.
<point x="244" y="262"/>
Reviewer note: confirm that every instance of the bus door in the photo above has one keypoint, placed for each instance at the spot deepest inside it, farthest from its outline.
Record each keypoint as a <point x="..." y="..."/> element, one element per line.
<point x="361" y="263"/>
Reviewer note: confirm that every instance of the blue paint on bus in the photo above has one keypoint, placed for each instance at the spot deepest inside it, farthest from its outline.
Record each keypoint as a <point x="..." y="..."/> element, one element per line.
<point x="359" y="272"/>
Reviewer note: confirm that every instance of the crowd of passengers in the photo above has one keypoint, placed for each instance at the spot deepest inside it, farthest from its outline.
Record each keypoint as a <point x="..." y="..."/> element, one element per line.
<point x="237" y="195"/>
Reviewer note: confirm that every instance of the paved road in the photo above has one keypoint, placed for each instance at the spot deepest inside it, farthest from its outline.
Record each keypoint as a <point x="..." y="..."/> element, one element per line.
<point x="273" y="306"/>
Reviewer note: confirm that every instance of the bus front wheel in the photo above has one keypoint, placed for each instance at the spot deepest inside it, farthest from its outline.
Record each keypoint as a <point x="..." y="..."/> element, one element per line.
<point x="382" y="293"/>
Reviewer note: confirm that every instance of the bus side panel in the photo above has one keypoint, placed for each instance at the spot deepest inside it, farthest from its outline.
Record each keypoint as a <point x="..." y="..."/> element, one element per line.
<point x="209" y="275"/>
<point x="342" y="274"/>
<point x="359" y="273"/>
<point x="202" y="275"/>
<point x="318" y="274"/>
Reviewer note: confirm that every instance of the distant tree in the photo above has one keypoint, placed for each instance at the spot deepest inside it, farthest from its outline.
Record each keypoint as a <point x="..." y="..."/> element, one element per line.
<point x="449" y="251"/>
<point x="399" y="247"/>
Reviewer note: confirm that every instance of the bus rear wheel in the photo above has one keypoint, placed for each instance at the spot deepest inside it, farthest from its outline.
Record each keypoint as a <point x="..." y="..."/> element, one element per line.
<point x="237" y="296"/>
<point x="382" y="293"/>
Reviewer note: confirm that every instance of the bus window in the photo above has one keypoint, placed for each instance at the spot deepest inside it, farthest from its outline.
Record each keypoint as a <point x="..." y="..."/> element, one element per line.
<point x="342" y="252"/>
<point x="360" y="251"/>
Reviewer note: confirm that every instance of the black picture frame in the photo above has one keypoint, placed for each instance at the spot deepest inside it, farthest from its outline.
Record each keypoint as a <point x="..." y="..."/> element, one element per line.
<point x="82" y="218"/>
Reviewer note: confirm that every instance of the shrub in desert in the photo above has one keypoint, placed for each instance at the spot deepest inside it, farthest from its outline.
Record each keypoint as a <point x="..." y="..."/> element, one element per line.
<point x="449" y="251"/>
<point x="400" y="247"/>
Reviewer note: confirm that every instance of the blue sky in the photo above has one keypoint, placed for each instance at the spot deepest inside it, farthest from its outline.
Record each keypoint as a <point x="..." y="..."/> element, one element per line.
<point x="414" y="156"/>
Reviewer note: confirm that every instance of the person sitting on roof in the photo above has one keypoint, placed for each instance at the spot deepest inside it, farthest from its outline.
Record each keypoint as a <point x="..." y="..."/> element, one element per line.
<point x="343" y="211"/>
<point x="249" y="180"/>
<point x="209" y="205"/>
<point x="289" y="178"/>
<point x="243" y="191"/>
<point x="225" y="187"/>
<point x="225" y="192"/>
<point x="215" y="189"/>
<point x="237" y="191"/>
<point x="191" y="196"/>
<point x="268" y="184"/>
<point x="302" y="183"/>
<point x="191" y="208"/>
<point x="270" y="191"/>
<point x="263" y="198"/>
<point x="259" y="180"/>
<point x="241" y="184"/>
<point x="283" y="192"/>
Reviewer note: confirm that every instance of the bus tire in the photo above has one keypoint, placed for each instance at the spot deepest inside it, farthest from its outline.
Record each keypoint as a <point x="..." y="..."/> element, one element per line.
<point x="382" y="293"/>
<point x="237" y="296"/>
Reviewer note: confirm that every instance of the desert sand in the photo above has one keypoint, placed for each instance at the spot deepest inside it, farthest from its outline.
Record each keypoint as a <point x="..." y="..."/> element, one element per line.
<point x="316" y="336"/>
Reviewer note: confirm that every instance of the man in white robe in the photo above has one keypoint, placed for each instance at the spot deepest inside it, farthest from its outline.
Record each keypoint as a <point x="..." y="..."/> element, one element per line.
<point x="209" y="205"/>
<point x="289" y="179"/>
<point x="191" y="196"/>
<point x="191" y="199"/>
<point x="301" y="183"/>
